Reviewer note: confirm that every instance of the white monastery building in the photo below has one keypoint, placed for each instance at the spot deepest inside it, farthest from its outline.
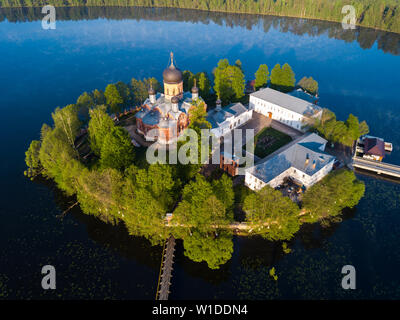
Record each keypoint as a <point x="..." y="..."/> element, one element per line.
<point x="304" y="160"/>
<point x="225" y="119"/>
<point x="284" y="108"/>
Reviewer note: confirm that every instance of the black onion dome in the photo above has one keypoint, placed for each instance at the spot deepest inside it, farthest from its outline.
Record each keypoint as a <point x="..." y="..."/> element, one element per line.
<point x="151" y="91"/>
<point x="219" y="101"/>
<point x="172" y="75"/>
<point x="174" y="99"/>
<point x="195" y="89"/>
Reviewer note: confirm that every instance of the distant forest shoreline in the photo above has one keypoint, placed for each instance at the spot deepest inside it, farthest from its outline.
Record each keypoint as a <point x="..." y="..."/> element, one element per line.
<point x="377" y="14"/>
<point x="366" y="37"/>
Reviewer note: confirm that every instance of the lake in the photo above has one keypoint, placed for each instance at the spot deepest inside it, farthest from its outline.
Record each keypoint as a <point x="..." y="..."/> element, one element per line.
<point x="358" y="72"/>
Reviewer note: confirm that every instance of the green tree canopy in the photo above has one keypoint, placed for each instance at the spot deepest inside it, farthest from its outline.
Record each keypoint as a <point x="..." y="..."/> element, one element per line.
<point x="113" y="98"/>
<point x="204" y="84"/>
<point x="117" y="150"/>
<point x="327" y="198"/>
<point x="283" y="79"/>
<point x="200" y="209"/>
<point x="66" y="123"/>
<point x="85" y="100"/>
<point x="309" y="85"/>
<point x="32" y="158"/>
<point x="214" y="250"/>
<point x="98" y="97"/>
<point x="338" y="131"/>
<point x="223" y="190"/>
<point x="262" y="76"/>
<point x="272" y="215"/>
<point x="229" y="81"/>
<point x="353" y="126"/>
<point x="100" y="125"/>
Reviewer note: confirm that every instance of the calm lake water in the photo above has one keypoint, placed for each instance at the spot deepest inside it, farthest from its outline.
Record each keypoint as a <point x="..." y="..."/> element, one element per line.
<point x="358" y="72"/>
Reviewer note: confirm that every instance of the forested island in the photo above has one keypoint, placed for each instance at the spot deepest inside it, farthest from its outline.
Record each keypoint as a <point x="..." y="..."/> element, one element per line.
<point x="378" y="14"/>
<point x="90" y="156"/>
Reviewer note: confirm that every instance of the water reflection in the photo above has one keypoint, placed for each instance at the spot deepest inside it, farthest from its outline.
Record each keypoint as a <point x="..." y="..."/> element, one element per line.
<point x="256" y="252"/>
<point x="366" y="38"/>
<point x="114" y="238"/>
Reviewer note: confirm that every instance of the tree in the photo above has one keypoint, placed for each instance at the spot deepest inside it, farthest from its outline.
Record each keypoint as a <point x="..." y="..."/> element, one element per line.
<point x="117" y="151"/>
<point x="215" y="251"/>
<point x="327" y="198"/>
<point x="98" y="97"/>
<point x="339" y="131"/>
<point x="197" y="116"/>
<point x="283" y="79"/>
<point x="100" y="193"/>
<point x="154" y="82"/>
<point x="363" y="129"/>
<point x="57" y="157"/>
<point x="125" y="92"/>
<point x="289" y="79"/>
<point x="188" y="80"/>
<point x="100" y="125"/>
<point x="223" y="190"/>
<point x="32" y="159"/>
<point x="158" y="179"/>
<point x="147" y="196"/>
<point x="204" y="84"/>
<point x="238" y="63"/>
<point x="271" y="215"/>
<point x="309" y="85"/>
<point x="200" y="209"/>
<point x="276" y="76"/>
<point x="229" y="82"/>
<point x="140" y="89"/>
<point x="353" y="126"/>
<point x="85" y="100"/>
<point x="66" y="122"/>
<point x="113" y="98"/>
<point x="261" y="76"/>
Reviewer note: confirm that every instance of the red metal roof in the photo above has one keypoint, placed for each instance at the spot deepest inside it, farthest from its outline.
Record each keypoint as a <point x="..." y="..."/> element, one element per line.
<point x="374" y="146"/>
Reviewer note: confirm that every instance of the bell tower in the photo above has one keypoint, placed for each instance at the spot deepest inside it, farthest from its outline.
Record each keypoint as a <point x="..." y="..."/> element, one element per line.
<point x="173" y="80"/>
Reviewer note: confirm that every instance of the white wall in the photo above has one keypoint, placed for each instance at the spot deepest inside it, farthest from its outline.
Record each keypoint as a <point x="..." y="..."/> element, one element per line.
<point x="280" y="114"/>
<point x="256" y="184"/>
<point x="232" y="123"/>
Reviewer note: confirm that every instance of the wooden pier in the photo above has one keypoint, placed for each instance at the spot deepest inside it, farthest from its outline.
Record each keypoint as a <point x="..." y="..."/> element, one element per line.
<point x="165" y="276"/>
<point x="376" y="166"/>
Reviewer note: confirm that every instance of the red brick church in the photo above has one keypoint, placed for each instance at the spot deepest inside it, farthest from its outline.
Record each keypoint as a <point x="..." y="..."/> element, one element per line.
<point x="167" y="113"/>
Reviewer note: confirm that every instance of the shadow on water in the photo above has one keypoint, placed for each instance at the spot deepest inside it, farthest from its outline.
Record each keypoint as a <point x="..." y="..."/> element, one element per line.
<point x="112" y="237"/>
<point x="366" y="38"/>
<point x="256" y="252"/>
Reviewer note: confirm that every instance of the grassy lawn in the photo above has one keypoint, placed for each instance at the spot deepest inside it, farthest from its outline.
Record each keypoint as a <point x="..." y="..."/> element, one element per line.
<point x="268" y="140"/>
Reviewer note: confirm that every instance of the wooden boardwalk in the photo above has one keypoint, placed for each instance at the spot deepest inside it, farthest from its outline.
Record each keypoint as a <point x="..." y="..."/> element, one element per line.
<point x="167" y="262"/>
<point x="377" y="167"/>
